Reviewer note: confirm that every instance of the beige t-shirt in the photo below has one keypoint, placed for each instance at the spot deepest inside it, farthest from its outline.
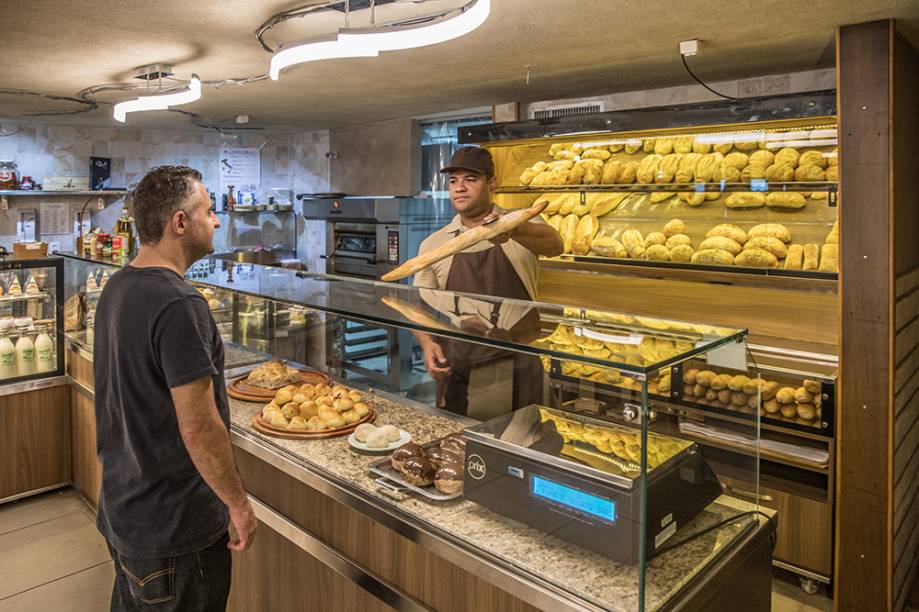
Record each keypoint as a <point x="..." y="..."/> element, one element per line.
<point x="524" y="261"/>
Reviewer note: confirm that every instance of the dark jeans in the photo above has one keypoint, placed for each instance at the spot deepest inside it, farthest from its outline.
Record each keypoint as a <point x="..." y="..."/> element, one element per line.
<point x="196" y="582"/>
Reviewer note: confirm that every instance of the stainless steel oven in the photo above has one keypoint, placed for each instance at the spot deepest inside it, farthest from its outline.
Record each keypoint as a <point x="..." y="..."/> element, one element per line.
<point x="367" y="250"/>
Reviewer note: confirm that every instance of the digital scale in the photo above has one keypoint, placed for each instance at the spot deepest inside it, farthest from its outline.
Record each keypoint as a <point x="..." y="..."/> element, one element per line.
<point x="579" y="479"/>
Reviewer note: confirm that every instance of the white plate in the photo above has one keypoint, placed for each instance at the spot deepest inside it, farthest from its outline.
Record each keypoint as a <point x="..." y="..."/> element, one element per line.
<point x="404" y="438"/>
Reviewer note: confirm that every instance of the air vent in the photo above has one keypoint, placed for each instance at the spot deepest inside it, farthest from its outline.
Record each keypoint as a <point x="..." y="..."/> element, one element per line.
<point x="553" y="111"/>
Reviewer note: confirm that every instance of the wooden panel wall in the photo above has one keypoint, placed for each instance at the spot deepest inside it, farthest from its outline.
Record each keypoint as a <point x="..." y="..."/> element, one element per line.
<point x="905" y="441"/>
<point x="863" y="567"/>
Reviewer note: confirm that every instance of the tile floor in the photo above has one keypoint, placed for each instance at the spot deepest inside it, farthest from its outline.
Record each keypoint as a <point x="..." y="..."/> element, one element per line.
<point x="53" y="558"/>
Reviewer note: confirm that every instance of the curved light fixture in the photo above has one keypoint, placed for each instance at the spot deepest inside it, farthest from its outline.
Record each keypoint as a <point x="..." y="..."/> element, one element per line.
<point x="369" y="42"/>
<point x="162" y="102"/>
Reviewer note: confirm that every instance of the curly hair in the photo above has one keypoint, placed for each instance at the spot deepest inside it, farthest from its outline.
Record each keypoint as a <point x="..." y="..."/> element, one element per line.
<point x="162" y="191"/>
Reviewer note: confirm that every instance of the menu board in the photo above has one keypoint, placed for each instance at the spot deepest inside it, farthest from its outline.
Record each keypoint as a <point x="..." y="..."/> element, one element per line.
<point x="55" y="218"/>
<point x="241" y="168"/>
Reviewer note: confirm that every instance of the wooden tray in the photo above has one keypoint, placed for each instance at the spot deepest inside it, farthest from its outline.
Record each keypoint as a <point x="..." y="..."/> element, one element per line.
<point x="241" y="390"/>
<point x="300" y="434"/>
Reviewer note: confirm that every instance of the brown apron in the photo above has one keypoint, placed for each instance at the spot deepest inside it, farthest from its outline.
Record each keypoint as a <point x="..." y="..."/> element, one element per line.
<point x="489" y="272"/>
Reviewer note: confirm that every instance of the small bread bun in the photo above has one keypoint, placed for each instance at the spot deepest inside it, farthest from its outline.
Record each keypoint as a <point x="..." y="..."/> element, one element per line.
<point x="376" y="439"/>
<point x="392" y="433"/>
<point x="362" y="431"/>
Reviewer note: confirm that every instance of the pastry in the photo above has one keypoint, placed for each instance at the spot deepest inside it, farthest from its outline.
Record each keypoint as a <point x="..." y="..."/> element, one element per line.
<point x="780" y="173"/>
<point x="811" y="257"/>
<point x="723" y="146"/>
<point x="677" y="239"/>
<point x="788" y="155"/>
<point x="745" y="200"/>
<point x="278" y="420"/>
<point x="273" y="375"/>
<point x="297" y="423"/>
<point x="455" y="442"/>
<point x="829" y="258"/>
<point x="449" y="479"/>
<point x="681" y="253"/>
<point x="722" y="243"/>
<point x="810" y="172"/>
<point x="794" y="257"/>
<point x="785" y="199"/>
<point x="767" y="243"/>
<point x="748" y="142"/>
<point x="362" y="431"/>
<point x="728" y="231"/>
<point x="674" y="226"/>
<point x="756" y="258"/>
<point x="657" y="252"/>
<point x="655" y="238"/>
<point x="439" y="456"/>
<point x="713" y="256"/>
<point x="814" y="386"/>
<point x="407" y="450"/>
<point x="634" y="243"/>
<point x="775" y="230"/>
<point x="608" y="247"/>
<point x="615" y="147"/>
<point x="362" y="409"/>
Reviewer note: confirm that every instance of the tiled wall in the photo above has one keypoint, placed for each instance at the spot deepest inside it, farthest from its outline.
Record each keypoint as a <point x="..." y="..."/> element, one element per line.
<point x="288" y="161"/>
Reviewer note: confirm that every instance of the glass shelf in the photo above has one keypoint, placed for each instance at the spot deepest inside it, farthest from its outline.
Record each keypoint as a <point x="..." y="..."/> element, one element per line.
<point x="32" y="192"/>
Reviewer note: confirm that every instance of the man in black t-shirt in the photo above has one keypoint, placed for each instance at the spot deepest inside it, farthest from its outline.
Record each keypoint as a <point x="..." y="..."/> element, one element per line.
<point x="170" y="486"/>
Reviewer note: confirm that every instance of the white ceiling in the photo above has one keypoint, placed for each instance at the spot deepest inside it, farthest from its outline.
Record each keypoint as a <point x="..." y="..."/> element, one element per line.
<point x="575" y="48"/>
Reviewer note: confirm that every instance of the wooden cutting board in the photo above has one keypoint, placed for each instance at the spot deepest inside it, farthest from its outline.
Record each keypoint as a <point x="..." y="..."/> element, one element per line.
<point x="241" y="390"/>
<point x="299" y="434"/>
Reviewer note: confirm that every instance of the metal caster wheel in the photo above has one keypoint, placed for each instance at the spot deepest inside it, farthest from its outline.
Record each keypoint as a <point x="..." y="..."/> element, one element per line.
<point x="809" y="585"/>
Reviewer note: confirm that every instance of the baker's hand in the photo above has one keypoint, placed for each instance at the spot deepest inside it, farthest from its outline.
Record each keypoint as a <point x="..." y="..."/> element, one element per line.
<point x="435" y="362"/>
<point x="244" y="523"/>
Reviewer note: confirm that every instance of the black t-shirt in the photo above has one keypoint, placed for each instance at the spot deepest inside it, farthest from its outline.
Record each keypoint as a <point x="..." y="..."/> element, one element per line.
<point x="153" y="332"/>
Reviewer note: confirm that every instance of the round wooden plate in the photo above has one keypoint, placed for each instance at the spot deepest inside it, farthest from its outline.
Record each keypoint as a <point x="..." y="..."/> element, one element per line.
<point x="302" y="434"/>
<point x="241" y="390"/>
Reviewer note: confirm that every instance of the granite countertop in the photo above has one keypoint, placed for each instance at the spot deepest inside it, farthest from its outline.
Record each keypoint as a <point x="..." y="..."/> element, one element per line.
<point x="595" y="578"/>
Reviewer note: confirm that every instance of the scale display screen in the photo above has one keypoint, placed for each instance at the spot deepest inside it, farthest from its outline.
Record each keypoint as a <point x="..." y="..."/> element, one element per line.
<point x="573" y="498"/>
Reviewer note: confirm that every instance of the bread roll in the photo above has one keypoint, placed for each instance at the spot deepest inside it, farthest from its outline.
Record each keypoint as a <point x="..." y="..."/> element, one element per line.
<point x="689" y="376"/>
<point x="813" y="157"/>
<point x="788" y="155"/>
<point x="721" y="381"/>
<point x="569" y="230"/>
<point x="762" y="158"/>
<point x="655" y="238"/>
<point x="615" y="147"/>
<point x="788" y="410"/>
<point x="739" y="398"/>
<point x="780" y="173"/>
<point x="606" y="204"/>
<point x="724" y="396"/>
<point x="687" y="169"/>
<point x="681" y="253"/>
<point x="682" y="144"/>
<point x="693" y="198"/>
<point x="723" y="147"/>
<point x="555" y="221"/>
<point x="803" y="396"/>
<point x="722" y="243"/>
<point x="629" y="173"/>
<point x="774" y="230"/>
<point x="829" y="258"/>
<point x="587" y="228"/>
<point x="634" y="243"/>
<point x="663" y="146"/>
<point x="756" y="258"/>
<point x="737" y="160"/>
<point x="814" y="386"/>
<point x="726" y="173"/>
<point x="632" y="146"/>
<point x="806" y="411"/>
<point x="702" y="148"/>
<point x="673" y="227"/>
<point x="767" y="243"/>
<point x="728" y="231"/>
<point x="785" y="395"/>
<point x="785" y="199"/>
<point x="713" y="256"/>
<point x="794" y="257"/>
<point x="661" y="196"/>
<point x="769" y="389"/>
<point x="705" y="378"/>
<point x="647" y="145"/>
<point x="771" y="406"/>
<point x="706" y="167"/>
<point x="810" y="172"/>
<point x="753" y="171"/>
<point x="811" y="256"/>
<point x="832" y="173"/>
<point x="601" y="154"/>
<point x="697" y="390"/>
<point x="745" y="200"/>
<point x="611" y="171"/>
<point x="657" y="252"/>
<point x="711" y="395"/>
<point x="647" y="169"/>
<point x="677" y="239"/>
<point x="608" y="247"/>
<point x="667" y="168"/>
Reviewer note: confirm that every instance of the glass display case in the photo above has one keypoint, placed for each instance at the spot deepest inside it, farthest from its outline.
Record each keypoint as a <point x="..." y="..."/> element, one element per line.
<point x="31" y="319"/>
<point x="617" y="496"/>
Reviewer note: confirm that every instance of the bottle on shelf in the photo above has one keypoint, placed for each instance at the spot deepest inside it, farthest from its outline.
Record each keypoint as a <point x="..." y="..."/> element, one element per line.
<point x="8" y="368"/>
<point x="124" y="227"/>
<point x="231" y="199"/>
<point x="44" y="351"/>
<point x="25" y="353"/>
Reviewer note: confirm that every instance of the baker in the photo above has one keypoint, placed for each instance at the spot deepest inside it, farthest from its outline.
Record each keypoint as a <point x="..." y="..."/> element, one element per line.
<point x="505" y="267"/>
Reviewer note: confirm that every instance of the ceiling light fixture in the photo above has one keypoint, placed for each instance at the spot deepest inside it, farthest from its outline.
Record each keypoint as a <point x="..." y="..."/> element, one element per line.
<point x="369" y="42"/>
<point x="161" y="102"/>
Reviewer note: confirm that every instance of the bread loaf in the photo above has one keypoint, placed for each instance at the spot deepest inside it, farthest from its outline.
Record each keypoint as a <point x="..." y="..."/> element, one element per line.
<point x="756" y="258"/>
<point x="657" y="252"/>
<point x="706" y="166"/>
<point x="647" y="145"/>
<point x="629" y="173"/>
<point x="604" y="204"/>
<point x="762" y="158"/>
<point x="555" y="221"/>
<point x="569" y="229"/>
<point x="661" y="196"/>
<point x="780" y="173"/>
<point x="753" y="171"/>
<point x="810" y="172"/>
<point x="608" y="247"/>
<point x="737" y="160"/>
<point x="723" y="147"/>
<point x="682" y="144"/>
<point x="655" y="238"/>
<point x="832" y="173"/>
<point x="667" y="168"/>
<point x="530" y="173"/>
<point x="687" y="168"/>
<point x="634" y="243"/>
<point x="726" y="173"/>
<point x="813" y="157"/>
<point x="769" y="389"/>
<point x="673" y="227"/>
<point x="811" y="257"/>
<point x="745" y="200"/>
<point x="663" y="146"/>
<point x="767" y="243"/>
<point x="721" y="381"/>
<point x="611" y="171"/>
<point x="833" y="236"/>
<point x="568" y="203"/>
<point x="794" y="258"/>
<point x="829" y="258"/>
<point x="647" y="169"/>
<point x="720" y="242"/>
<point x="785" y="199"/>
<point x="774" y="230"/>
<point x="601" y="154"/>
<point x="681" y="253"/>
<point x="788" y="155"/>
<point x="587" y="228"/>
<point x="713" y="256"/>
<point x="728" y="231"/>
<point x="693" y="198"/>
<point x="701" y="147"/>
<point x="677" y="239"/>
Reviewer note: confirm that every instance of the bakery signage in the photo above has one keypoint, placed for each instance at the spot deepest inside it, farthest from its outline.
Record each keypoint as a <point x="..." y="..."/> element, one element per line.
<point x="475" y="467"/>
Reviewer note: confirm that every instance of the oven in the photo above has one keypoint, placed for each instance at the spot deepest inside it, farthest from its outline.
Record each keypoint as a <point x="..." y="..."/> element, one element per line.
<point x="365" y="250"/>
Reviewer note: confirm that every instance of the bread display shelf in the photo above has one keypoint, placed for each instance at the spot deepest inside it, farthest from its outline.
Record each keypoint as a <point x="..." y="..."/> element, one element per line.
<point x="296" y="434"/>
<point x="828" y="186"/>
<point x="25" y="296"/>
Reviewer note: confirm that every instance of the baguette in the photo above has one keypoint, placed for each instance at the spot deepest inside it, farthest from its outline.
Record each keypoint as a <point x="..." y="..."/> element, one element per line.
<point x="465" y="240"/>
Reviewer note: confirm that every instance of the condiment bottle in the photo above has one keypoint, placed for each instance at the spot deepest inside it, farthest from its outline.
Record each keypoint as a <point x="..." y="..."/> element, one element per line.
<point x="44" y="352"/>
<point x="7" y="357"/>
